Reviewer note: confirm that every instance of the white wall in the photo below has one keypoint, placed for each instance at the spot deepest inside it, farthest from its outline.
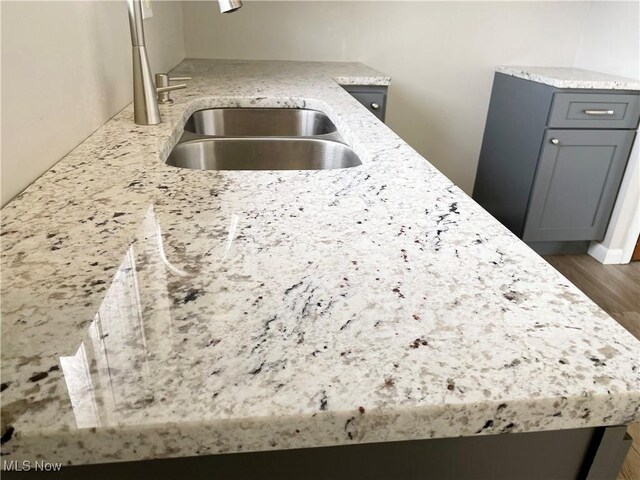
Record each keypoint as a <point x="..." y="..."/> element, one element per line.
<point x="441" y="55"/>
<point x="610" y="43"/>
<point x="66" y="69"/>
<point x="610" y="40"/>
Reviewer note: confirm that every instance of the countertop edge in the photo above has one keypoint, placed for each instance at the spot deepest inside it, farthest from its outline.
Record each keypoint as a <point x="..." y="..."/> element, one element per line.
<point x="324" y="429"/>
<point x="603" y="81"/>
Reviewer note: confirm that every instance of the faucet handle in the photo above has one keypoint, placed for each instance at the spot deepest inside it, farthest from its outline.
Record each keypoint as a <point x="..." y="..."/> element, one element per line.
<point x="163" y="88"/>
<point x="170" y="88"/>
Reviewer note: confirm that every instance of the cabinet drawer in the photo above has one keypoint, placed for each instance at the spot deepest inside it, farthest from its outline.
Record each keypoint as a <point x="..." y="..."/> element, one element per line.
<point x="594" y="110"/>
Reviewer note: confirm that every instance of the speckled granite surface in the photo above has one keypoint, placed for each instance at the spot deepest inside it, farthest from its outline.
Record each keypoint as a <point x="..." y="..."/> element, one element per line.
<point x="563" y="77"/>
<point x="150" y="311"/>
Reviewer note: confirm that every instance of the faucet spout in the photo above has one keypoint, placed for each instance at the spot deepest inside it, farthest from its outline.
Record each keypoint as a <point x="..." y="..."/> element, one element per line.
<point x="145" y="102"/>
<point x="229" y="6"/>
<point x="145" y="93"/>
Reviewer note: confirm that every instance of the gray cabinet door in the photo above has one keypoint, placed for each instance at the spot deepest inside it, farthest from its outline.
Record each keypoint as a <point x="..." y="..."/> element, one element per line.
<point x="577" y="180"/>
<point x="375" y="102"/>
<point x="373" y="97"/>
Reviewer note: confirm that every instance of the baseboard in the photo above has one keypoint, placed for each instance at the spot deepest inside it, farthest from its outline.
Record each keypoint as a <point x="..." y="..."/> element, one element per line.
<point x="606" y="256"/>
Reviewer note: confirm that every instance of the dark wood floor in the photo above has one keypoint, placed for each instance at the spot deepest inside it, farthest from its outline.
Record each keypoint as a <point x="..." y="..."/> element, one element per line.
<point x="616" y="289"/>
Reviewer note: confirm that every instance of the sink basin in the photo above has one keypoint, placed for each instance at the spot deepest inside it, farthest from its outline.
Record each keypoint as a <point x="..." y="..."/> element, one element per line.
<point x="261" y="139"/>
<point x="262" y="154"/>
<point x="259" y="122"/>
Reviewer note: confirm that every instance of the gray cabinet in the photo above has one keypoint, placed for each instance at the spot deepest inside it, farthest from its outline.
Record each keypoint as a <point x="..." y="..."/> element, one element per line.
<point x="576" y="184"/>
<point x="552" y="160"/>
<point x="594" y="453"/>
<point x="373" y="97"/>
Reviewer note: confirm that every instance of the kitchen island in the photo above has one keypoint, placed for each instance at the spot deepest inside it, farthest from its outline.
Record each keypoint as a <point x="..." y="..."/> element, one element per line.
<point x="151" y="312"/>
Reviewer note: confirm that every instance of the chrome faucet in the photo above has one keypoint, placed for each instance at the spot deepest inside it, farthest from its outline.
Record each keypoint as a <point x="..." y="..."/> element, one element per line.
<point x="146" y="93"/>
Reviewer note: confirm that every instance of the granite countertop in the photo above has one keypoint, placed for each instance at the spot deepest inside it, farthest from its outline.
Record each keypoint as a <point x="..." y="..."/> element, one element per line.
<point x="563" y="77"/>
<point x="150" y="311"/>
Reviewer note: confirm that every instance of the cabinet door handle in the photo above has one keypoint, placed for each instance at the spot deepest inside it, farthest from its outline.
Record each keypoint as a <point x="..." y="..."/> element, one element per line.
<point x="555" y="141"/>
<point x="599" y="112"/>
<point x="375" y="106"/>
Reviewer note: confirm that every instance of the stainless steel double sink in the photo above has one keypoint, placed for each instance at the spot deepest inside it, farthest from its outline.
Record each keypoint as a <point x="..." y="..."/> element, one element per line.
<point x="261" y="139"/>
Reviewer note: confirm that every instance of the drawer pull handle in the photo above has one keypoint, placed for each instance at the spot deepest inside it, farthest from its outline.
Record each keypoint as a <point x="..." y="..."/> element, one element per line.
<point x="555" y="141"/>
<point x="599" y="112"/>
<point x="375" y="106"/>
